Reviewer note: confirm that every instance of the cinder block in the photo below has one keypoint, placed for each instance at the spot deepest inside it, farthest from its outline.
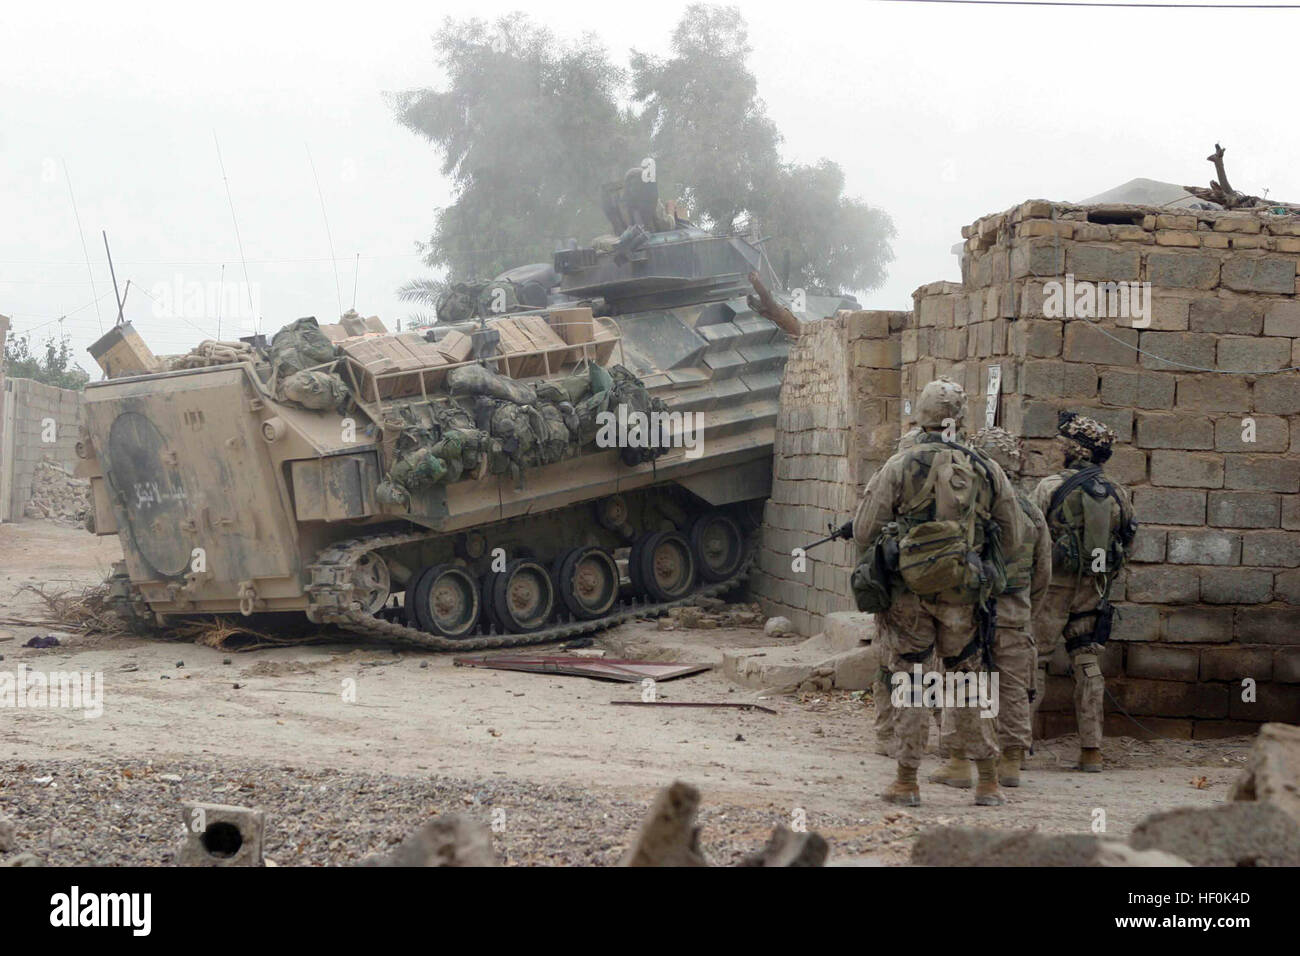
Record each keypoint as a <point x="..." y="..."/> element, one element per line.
<point x="1204" y="547"/>
<point x="1167" y="698"/>
<point x="1183" y="270"/>
<point x="1236" y="586"/>
<point x="221" y="835"/>
<point x="1149" y="545"/>
<point x="1278" y="394"/>
<point x="1086" y="342"/>
<point x="1270" y="549"/>
<point x="1253" y="355"/>
<point x="1099" y="263"/>
<point x="1242" y="509"/>
<point x="1136" y="622"/>
<point x="1215" y="393"/>
<point x="1130" y="388"/>
<point x="1200" y="625"/>
<point x="1178" y="351"/>
<point x="1267" y="433"/>
<point x="1260" y="274"/>
<point x="1236" y="663"/>
<point x="1268" y="625"/>
<point x="1283" y="318"/>
<point x="1170" y="506"/>
<point x="1236" y="315"/>
<point x="1185" y="469"/>
<point x="1286" y="665"/>
<point x="1188" y="432"/>
<point x="1162" y="584"/>
<point x="1161" y="662"/>
<point x="1254" y="473"/>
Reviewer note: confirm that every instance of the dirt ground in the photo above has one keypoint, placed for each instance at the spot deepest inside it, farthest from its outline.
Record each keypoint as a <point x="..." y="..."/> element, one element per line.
<point x="342" y="777"/>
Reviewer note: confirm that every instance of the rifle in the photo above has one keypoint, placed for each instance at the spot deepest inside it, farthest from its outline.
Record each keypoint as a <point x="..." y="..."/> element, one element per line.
<point x="843" y="532"/>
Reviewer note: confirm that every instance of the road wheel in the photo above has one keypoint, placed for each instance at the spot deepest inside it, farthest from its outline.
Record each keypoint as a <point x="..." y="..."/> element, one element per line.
<point x="718" y="546"/>
<point x="522" y="597"/>
<point x="665" y="567"/>
<point x="587" y="582"/>
<point x="446" y="601"/>
<point x="371" y="583"/>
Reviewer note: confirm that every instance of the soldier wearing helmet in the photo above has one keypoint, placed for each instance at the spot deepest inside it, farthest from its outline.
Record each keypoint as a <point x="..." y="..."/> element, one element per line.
<point x="1090" y="517"/>
<point x="949" y="509"/>
<point x="1029" y="571"/>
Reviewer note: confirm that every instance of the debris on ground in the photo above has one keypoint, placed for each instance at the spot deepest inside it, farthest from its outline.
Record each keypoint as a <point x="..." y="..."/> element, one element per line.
<point x="1272" y="771"/>
<point x="778" y="627"/>
<point x="707" y="613"/>
<point x="58" y="495"/>
<point x="89" y="610"/>
<point x="670" y="836"/>
<point x="48" y="640"/>
<point x="627" y="671"/>
<point x="449" y="840"/>
<point x="976" y="846"/>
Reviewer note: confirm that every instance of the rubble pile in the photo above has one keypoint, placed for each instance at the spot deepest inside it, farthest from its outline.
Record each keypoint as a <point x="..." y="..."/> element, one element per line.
<point x="707" y="614"/>
<point x="57" y="494"/>
<point x="1260" y="826"/>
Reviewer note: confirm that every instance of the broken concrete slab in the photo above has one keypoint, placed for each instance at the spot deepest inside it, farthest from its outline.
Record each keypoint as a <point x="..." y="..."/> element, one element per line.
<point x="809" y="666"/>
<point x="849" y="630"/>
<point x="1234" y="834"/>
<point x="975" y="846"/>
<point x="669" y="835"/>
<point x="452" y="839"/>
<point x="1272" y="771"/>
<point x="220" y="835"/>
<point x="785" y="847"/>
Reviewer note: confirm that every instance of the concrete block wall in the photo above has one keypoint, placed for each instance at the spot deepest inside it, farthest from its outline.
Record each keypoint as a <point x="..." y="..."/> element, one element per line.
<point x="1205" y="401"/>
<point x="28" y="407"/>
<point x="838" y="421"/>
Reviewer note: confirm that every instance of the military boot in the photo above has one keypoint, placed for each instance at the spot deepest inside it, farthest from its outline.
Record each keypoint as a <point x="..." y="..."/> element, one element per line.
<point x="1090" y="759"/>
<point x="904" y="790"/>
<point x="1009" y="766"/>
<point x="955" y="773"/>
<point x="986" y="791"/>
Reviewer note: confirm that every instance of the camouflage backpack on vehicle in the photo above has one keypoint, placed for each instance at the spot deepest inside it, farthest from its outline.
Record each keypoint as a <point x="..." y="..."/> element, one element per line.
<point x="1089" y="521"/>
<point x="943" y="519"/>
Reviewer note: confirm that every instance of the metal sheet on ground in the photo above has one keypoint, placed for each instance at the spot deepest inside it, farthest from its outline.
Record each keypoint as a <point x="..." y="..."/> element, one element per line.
<point x="628" y="671"/>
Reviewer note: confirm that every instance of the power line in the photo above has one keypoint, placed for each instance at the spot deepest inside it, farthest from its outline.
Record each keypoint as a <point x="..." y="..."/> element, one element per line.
<point x="1119" y="6"/>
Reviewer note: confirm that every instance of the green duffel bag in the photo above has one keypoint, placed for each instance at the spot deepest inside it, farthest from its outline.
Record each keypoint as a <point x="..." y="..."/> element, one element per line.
<point x="935" y="558"/>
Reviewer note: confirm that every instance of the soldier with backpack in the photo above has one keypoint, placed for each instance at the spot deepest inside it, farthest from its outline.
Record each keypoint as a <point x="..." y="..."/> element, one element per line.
<point x="1090" y="517"/>
<point x="1029" y="572"/>
<point x="934" y="521"/>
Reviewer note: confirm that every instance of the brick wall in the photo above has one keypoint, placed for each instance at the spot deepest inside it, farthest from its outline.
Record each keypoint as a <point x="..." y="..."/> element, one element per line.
<point x="1213" y="594"/>
<point x="28" y="406"/>
<point x="838" y="421"/>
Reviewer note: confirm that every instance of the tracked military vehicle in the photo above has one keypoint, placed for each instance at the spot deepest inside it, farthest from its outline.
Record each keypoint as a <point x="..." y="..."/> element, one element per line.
<point x="443" y="487"/>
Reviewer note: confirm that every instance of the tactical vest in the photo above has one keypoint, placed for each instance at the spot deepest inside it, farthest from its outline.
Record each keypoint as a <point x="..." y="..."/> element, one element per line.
<point x="1090" y="526"/>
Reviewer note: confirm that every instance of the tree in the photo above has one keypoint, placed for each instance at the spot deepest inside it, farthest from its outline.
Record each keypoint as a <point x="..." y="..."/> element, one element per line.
<point x="528" y="129"/>
<point x="423" y="292"/>
<point x="55" y="367"/>
<point x="821" y="239"/>
<point x="709" y="132"/>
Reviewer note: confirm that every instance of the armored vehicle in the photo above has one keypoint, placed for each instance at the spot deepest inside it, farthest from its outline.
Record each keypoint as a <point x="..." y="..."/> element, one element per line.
<point x="591" y="452"/>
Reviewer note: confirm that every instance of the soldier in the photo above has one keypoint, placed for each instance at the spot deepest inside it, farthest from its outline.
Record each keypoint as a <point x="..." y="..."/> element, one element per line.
<point x="1090" y="517"/>
<point x="1029" y="571"/>
<point x="943" y="503"/>
<point x="886" y="735"/>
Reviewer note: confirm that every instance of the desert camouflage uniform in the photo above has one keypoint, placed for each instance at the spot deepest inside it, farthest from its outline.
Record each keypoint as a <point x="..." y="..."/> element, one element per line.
<point x="914" y="629"/>
<point x="1072" y="593"/>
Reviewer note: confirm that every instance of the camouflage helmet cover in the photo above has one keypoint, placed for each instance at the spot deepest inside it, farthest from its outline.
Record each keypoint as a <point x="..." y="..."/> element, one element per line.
<point x="1002" y="446"/>
<point x="1085" y="437"/>
<point x="940" y="400"/>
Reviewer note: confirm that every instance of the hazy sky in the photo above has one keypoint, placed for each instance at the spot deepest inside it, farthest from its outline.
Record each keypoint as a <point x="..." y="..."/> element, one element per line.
<point x="937" y="113"/>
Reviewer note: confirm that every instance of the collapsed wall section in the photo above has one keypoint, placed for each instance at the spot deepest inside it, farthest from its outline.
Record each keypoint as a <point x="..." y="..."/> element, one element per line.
<point x="838" y="422"/>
